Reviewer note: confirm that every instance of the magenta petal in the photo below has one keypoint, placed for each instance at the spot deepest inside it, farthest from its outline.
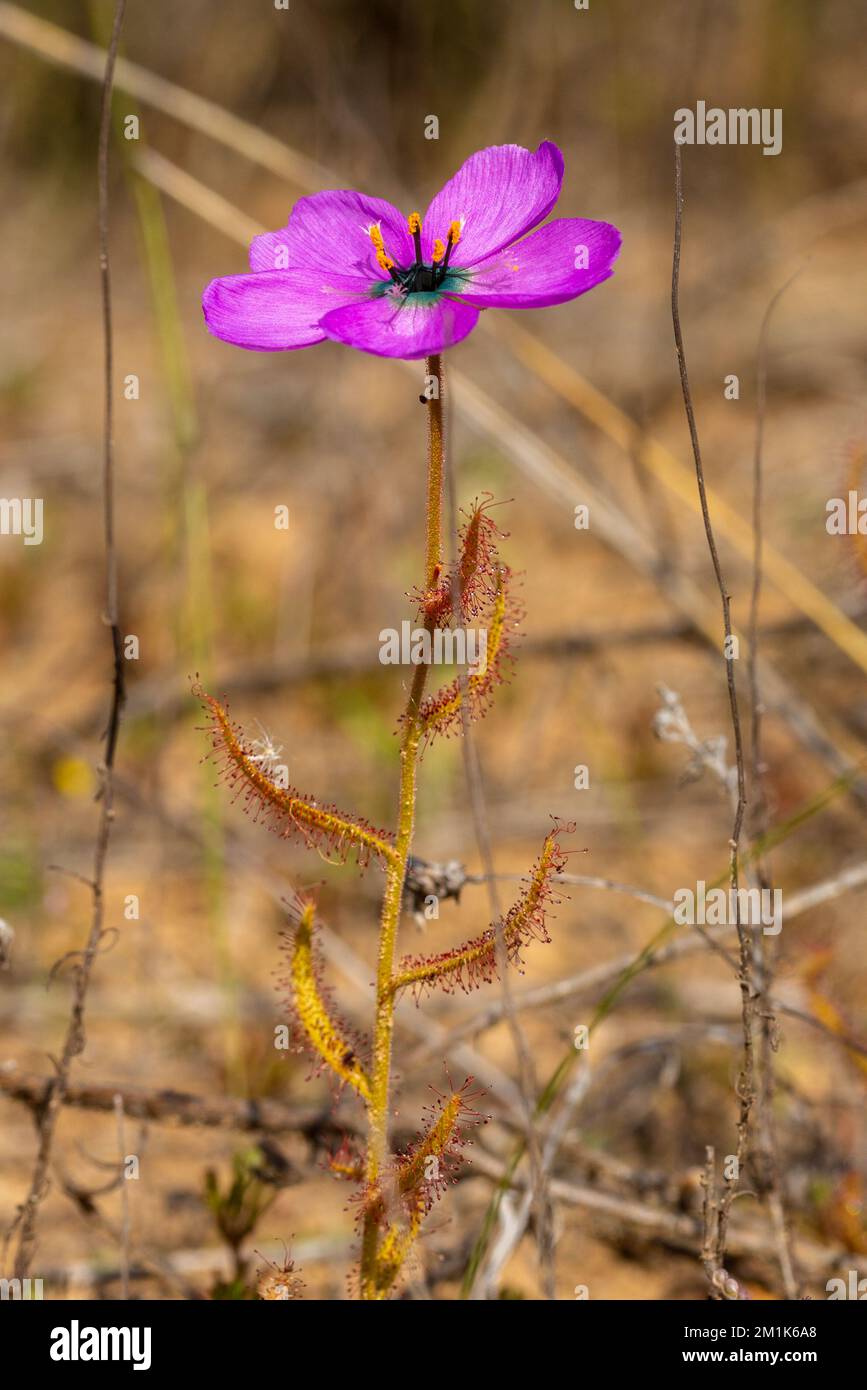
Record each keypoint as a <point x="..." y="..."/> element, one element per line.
<point x="557" y="262"/>
<point x="329" y="231"/>
<point x="392" y="327"/>
<point x="275" y="310"/>
<point x="501" y="193"/>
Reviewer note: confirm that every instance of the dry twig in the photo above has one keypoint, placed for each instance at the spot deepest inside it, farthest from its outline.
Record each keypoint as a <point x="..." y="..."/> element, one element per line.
<point x="24" y="1226"/>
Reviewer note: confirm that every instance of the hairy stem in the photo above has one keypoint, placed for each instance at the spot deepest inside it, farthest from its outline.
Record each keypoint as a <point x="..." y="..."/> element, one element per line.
<point x="377" y="1148"/>
<point x="435" y="377"/>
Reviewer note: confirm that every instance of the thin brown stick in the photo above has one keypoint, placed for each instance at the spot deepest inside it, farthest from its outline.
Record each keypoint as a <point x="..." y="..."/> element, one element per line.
<point x="167" y="1106"/>
<point x="25" y="1221"/>
<point x="710" y="1215"/>
<point x="746" y="1081"/>
<point x="725" y="597"/>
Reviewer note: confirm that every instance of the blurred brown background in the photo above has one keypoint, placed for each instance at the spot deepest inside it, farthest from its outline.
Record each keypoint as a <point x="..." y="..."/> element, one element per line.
<point x="287" y="622"/>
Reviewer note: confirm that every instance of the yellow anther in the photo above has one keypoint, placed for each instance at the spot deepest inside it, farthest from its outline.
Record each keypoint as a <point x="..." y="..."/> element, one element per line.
<point x="455" y="232"/>
<point x="439" y="251"/>
<point x="383" y="260"/>
<point x="414" y="223"/>
<point x="375" y="233"/>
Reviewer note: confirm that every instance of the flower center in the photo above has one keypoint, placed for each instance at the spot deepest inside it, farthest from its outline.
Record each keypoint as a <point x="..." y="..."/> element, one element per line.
<point x="420" y="277"/>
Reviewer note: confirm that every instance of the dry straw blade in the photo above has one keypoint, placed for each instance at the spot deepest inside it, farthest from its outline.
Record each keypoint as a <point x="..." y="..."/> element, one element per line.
<point x="55" y="43"/>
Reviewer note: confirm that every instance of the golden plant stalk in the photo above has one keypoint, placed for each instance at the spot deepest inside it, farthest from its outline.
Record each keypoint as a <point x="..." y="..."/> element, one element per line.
<point x="411" y="735"/>
<point x="399" y="1189"/>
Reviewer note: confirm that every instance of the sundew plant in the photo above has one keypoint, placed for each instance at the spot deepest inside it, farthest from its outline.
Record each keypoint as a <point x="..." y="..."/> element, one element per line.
<point x="353" y="269"/>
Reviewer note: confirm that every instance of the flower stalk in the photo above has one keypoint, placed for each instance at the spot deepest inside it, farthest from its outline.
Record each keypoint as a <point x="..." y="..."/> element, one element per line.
<point x="411" y="736"/>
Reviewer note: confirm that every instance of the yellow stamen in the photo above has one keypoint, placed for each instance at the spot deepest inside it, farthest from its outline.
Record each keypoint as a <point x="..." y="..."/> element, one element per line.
<point x="414" y="223"/>
<point x="375" y="234"/>
<point x="383" y="260"/>
<point x="439" y="251"/>
<point x="455" y="232"/>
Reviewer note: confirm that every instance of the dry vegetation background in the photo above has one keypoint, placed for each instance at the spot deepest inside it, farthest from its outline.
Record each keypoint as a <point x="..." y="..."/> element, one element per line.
<point x="286" y="623"/>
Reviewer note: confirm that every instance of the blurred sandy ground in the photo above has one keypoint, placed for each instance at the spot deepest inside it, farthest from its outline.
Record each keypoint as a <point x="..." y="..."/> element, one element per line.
<point x="186" y="997"/>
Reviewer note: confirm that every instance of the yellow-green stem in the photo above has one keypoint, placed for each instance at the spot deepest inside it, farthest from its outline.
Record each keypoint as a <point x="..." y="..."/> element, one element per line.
<point x="435" y="464"/>
<point x="377" y="1146"/>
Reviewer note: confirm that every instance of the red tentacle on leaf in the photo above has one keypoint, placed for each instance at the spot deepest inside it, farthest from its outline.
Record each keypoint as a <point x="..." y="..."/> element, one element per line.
<point x="464" y="592"/>
<point x="284" y="809"/>
<point x="468" y="966"/>
<point x="441" y="713"/>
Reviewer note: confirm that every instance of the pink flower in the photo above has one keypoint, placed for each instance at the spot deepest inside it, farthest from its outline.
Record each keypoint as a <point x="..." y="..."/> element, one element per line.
<point x="353" y="269"/>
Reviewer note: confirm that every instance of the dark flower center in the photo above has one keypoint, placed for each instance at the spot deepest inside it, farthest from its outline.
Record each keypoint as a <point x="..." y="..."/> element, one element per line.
<point x="421" y="277"/>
